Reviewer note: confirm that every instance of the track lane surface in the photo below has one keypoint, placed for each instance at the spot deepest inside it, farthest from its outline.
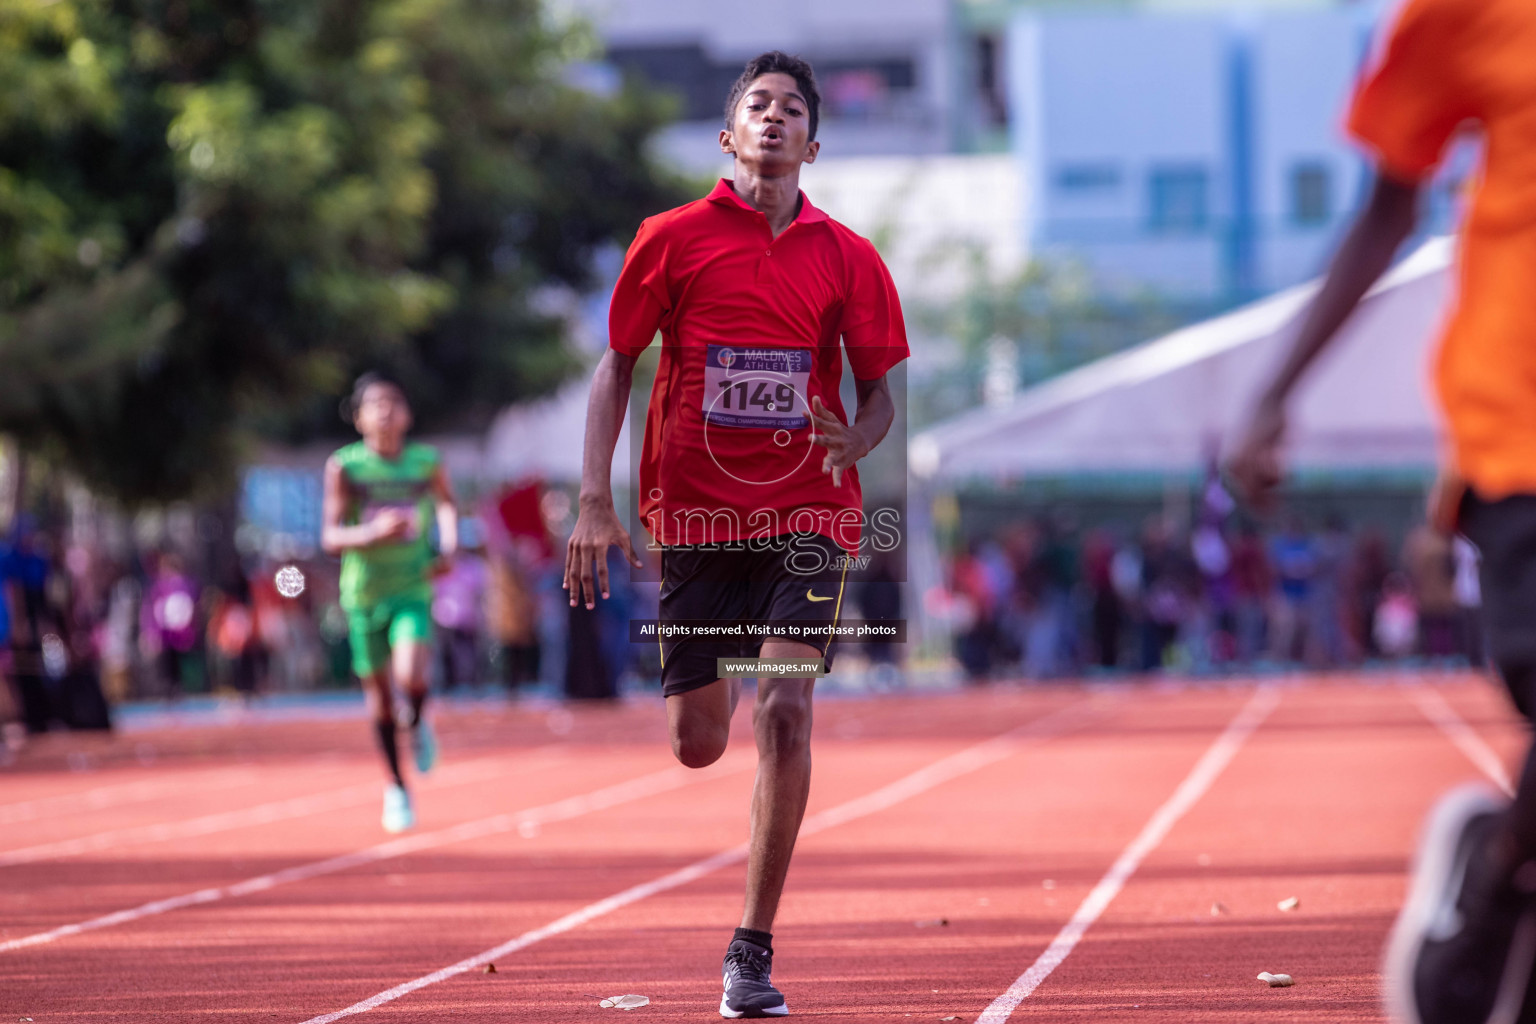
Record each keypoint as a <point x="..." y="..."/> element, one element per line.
<point x="1323" y="805"/>
<point x="1322" y="802"/>
<point x="850" y="941"/>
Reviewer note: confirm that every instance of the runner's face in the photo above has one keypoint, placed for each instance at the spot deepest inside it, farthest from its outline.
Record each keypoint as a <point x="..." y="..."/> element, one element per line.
<point x="383" y="416"/>
<point x="772" y="128"/>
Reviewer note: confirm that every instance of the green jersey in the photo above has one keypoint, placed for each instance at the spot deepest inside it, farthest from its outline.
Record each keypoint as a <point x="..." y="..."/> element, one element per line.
<point x="397" y="568"/>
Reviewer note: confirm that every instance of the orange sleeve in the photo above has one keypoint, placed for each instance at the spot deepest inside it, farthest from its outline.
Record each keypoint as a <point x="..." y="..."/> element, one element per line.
<point x="1412" y="95"/>
<point x="874" y="332"/>
<point x="641" y="299"/>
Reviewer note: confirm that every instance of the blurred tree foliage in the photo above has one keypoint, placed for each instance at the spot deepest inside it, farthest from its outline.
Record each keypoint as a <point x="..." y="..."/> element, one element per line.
<point x="214" y="212"/>
<point x="1051" y="312"/>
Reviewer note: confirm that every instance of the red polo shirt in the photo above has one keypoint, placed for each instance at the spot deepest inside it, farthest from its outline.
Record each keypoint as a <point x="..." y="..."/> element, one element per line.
<point x="750" y="326"/>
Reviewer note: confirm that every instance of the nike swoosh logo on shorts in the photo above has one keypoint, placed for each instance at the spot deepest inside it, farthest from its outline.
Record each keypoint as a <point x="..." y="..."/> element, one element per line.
<point x="812" y="597"/>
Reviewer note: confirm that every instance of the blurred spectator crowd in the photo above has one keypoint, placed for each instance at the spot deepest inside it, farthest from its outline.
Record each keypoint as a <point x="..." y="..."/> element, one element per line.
<point x="1045" y="600"/>
<point x="85" y="624"/>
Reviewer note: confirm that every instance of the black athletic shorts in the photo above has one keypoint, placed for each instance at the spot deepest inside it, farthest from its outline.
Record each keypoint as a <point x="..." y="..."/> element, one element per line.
<point x="795" y="578"/>
<point x="1504" y="532"/>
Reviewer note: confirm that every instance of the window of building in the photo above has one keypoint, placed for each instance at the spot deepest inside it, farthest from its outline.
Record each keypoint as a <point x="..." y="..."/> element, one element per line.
<point x="866" y="89"/>
<point x="858" y="89"/>
<point x="1087" y="178"/>
<point x="1179" y="200"/>
<point x="1311" y="193"/>
<point x="685" y="70"/>
<point x="989" y="81"/>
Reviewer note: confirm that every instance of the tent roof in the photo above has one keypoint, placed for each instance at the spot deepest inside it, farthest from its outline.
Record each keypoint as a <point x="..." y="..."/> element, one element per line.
<point x="1167" y="404"/>
<point x="544" y="438"/>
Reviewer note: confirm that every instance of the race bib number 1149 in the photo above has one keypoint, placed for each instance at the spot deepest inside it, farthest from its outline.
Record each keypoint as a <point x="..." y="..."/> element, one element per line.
<point x="763" y="388"/>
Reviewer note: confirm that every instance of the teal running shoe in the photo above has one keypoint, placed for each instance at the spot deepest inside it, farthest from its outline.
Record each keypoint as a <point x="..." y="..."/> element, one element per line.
<point x="398" y="815"/>
<point x="424" y="746"/>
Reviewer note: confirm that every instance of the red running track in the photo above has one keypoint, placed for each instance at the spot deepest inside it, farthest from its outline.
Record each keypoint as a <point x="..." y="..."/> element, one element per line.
<point x="1096" y="854"/>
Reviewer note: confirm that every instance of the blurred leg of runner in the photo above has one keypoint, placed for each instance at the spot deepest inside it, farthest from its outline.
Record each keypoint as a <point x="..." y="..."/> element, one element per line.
<point x="381" y="704"/>
<point x="409" y="657"/>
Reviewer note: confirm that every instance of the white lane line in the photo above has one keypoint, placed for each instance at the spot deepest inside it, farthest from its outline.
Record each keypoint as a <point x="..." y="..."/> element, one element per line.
<point x="1434" y="706"/>
<point x="246" y="817"/>
<point x="513" y="821"/>
<point x="1195" y="784"/>
<point x="920" y="781"/>
<point x="122" y="793"/>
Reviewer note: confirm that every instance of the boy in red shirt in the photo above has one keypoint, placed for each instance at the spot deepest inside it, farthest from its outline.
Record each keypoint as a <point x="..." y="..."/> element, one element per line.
<point x="747" y="478"/>
<point x="1464" y="945"/>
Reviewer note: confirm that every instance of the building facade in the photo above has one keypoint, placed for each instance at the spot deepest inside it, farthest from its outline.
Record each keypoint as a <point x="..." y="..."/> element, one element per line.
<point x="886" y="67"/>
<point x="1194" y="154"/>
<point x="1186" y="149"/>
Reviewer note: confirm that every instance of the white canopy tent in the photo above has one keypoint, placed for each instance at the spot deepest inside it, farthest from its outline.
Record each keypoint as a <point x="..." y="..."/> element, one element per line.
<point x="544" y="439"/>
<point x="1165" y="405"/>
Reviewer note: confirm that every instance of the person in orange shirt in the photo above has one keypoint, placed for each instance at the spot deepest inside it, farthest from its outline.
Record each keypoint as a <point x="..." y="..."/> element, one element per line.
<point x="1463" y="947"/>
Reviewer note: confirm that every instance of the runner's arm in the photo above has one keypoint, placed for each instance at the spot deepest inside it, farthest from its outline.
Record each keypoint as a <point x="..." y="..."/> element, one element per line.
<point x="336" y="537"/>
<point x="1381" y="227"/>
<point x="447" y="513"/>
<point x="848" y="444"/>
<point x="876" y="412"/>
<point x="597" y="523"/>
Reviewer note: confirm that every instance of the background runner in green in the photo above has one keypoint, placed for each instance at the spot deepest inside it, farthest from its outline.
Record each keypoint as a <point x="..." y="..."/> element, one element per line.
<point x="390" y="569"/>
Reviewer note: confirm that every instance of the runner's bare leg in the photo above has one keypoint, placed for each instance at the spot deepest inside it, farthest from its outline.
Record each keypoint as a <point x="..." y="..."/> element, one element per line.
<point x="409" y="661"/>
<point x="381" y="707"/>
<point x="781" y="721"/>
<point x="381" y="703"/>
<point x="699" y="721"/>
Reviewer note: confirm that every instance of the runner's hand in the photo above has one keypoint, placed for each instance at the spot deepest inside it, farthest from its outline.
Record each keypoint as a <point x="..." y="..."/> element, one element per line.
<point x="392" y="524"/>
<point x="597" y="529"/>
<point x="1256" y="463"/>
<point x="1444" y="506"/>
<point x="844" y="445"/>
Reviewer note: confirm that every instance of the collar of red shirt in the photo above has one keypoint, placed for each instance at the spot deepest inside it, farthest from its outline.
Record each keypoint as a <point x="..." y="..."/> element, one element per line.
<point x="725" y="194"/>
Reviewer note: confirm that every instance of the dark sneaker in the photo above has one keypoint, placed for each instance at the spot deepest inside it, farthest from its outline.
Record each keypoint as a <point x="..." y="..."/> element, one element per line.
<point x="1464" y="944"/>
<point x="748" y="993"/>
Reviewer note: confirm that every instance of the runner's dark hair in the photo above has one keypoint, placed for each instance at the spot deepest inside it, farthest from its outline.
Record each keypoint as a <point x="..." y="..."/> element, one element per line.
<point x="354" y="401"/>
<point x="781" y="63"/>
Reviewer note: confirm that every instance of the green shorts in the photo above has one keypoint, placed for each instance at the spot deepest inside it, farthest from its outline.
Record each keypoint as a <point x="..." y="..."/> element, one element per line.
<point x="377" y="628"/>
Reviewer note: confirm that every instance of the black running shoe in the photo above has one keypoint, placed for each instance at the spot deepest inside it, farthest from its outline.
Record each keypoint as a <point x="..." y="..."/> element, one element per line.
<point x="747" y="990"/>
<point x="1464" y="944"/>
